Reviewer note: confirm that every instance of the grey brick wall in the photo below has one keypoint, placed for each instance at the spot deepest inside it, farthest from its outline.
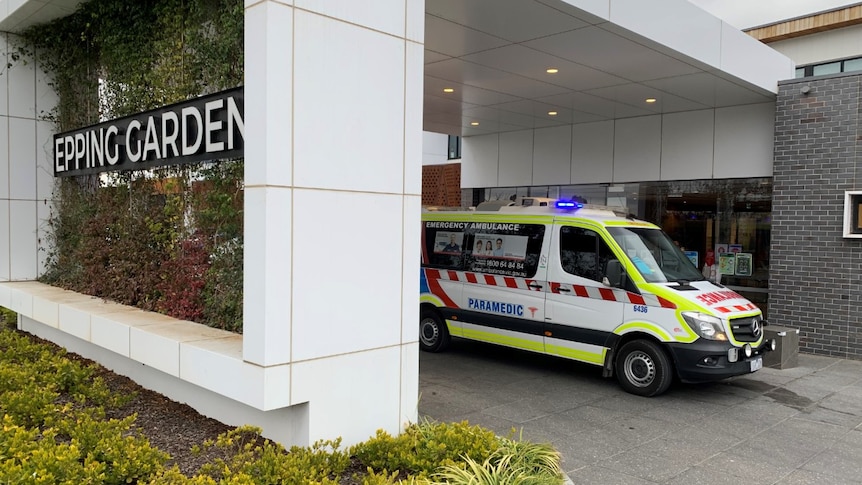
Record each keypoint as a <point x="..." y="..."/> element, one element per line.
<point x="815" y="276"/>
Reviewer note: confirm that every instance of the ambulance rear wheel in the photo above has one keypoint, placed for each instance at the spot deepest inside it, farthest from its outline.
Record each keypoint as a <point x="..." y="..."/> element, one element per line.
<point x="643" y="368"/>
<point x="433" y="333"/>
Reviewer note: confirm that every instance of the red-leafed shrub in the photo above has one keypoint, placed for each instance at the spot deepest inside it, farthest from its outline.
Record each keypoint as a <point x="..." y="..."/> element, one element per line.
<point x="183" y="281"/>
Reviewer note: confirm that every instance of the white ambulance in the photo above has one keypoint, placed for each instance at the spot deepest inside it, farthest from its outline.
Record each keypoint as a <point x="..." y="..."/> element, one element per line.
<point x="584" y="283"/>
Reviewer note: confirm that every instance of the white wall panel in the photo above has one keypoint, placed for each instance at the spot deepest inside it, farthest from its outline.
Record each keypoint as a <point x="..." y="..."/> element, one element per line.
<point x="323" y="303"/>
<point x="435" y="148"/>
<point x="5" y="258"/>
<point x="4" y="80"/>
<point x="22" y="240"/>
<point x="552" y="155"/>
<point x="637" y="149"/>
<point x="44" y="160"/>
<point x="480" y="160"/>
<point x="383" y="15"/>
<point x="822" y="46"/>
<point x="370" y="135"/>
<point x="744" y="141"/>
<point x="21" y="79"/>
<point x="516" y="158"/>
<point x="22" y="162"/>
<point x="687" y="145"/>
<point x="46" y="96"/>
<point x="4" y="152"/>
<point x="751" y="60"/>
<point x="340" y="389"/>
<point x="593" y="152"/>
<point x="268" y="245"/>
<point x="689" y="30"/>
<point x="413" y="104"/>
<point x="268" y="95"/>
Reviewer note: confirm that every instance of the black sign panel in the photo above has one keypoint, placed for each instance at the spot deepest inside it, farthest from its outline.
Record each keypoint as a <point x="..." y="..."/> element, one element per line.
<point x="206" y="128"/>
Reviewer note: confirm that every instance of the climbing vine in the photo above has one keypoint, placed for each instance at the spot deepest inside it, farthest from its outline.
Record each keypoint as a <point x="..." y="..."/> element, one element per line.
<point x="169" y="239"/>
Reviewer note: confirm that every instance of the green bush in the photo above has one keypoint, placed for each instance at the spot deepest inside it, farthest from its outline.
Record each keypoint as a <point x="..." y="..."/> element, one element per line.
<point x="8" y="318"/>
<point x="55" y="431"/>
<point x="422" y="448"/>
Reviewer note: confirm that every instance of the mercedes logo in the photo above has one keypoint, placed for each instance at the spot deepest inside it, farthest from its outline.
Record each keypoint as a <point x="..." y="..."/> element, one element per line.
<point x="755" y="327"/>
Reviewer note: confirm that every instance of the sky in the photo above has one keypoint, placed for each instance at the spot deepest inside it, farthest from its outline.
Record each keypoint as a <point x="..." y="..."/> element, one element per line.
<point x="744" y="14"/>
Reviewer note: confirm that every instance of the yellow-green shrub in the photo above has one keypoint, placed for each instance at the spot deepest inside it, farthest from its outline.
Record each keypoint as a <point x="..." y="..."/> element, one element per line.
<point x="423" y="448"/>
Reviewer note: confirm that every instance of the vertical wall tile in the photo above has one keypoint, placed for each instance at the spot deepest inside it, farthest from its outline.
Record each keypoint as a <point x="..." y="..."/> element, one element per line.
<point x="480" y="160"/>
<point x="268" y="94"/>
<point x="5" y="256"/>
<point x="22" y="163"/>
<point x="687" y="145"/>
<point x="4" y="153"/>
<point x="44" y="160"/>
<point x="637" y="149"/>
<point x="516" y="158"/>
<point x="383" y="15"/>
<point x="552" y="155"/>
<point x="343" y="264"/>
<point x="360" y="101"/>
<point x="413" y="135"/>
<point x="22" y="81"/>
<point x="593" y="152"/>
<point x="23" y="240"/>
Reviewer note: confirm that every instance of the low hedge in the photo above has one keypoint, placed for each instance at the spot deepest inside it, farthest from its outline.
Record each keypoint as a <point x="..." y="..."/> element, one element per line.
<point x="55" y="431"/>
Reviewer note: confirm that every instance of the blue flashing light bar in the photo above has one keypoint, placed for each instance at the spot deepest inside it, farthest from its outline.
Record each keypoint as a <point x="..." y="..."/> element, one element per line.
<point x="567" y="204"/>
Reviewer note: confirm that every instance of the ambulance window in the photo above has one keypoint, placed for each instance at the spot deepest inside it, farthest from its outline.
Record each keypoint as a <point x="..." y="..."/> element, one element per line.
<point x="505" y="249"/>
<point x="583" y="253"/>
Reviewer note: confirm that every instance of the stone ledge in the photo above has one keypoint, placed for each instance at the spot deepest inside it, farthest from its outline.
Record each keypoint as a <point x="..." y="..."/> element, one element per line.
<point x="192" y="352"/>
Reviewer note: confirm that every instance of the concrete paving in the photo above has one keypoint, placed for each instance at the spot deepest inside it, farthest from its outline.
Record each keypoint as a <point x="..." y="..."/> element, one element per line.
<point x="793" y="426"/>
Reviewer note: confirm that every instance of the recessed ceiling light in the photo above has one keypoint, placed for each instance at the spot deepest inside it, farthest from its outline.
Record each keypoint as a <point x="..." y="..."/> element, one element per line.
<point x="448" y="90"/>
<point x="552" y="113"/>
<point x="474" y="123"/>
<point x="552" y="70"/>
<point x="650" y="100"/>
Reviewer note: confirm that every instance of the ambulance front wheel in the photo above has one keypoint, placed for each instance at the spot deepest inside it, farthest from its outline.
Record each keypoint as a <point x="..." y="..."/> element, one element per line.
<point x="433" y="333"/>
<point x="643" y="368"/>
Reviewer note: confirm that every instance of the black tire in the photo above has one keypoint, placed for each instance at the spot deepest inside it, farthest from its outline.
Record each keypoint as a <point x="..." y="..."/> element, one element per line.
<point x="433" y="332"/>
<point x="643" y="368"/>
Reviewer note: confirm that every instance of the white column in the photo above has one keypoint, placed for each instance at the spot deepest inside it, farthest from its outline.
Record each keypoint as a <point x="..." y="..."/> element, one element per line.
<point x="333" y="108"/>
<point x="25" y="192"/>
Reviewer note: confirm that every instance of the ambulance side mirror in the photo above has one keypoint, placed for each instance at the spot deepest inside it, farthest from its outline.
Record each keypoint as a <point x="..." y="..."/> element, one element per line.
<point x="615" y="274"/>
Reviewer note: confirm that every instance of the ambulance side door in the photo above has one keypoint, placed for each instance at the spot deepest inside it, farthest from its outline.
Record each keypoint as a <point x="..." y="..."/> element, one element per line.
<point x="581" y="312"/>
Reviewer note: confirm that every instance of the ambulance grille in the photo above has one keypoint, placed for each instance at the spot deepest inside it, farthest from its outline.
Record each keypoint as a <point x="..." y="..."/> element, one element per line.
<point x="745" y="329"/>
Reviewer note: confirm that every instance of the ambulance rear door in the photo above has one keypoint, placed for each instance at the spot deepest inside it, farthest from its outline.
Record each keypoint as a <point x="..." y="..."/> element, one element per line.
<point x="503" y="297"/>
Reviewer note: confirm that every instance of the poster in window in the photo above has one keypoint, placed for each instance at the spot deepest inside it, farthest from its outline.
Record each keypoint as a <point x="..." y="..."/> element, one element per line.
<point x="446" y="242"/>
<point x="743" y="264"/>
<point x="735" y="248"/>
<point x="692" y="256"/>
<point x="501" y="246"/>
<point x="721" y="248"/>
<point x="727" y="263"/>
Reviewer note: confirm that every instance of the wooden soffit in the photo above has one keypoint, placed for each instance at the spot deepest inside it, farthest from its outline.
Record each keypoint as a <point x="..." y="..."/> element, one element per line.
<point x="833" y="19"/>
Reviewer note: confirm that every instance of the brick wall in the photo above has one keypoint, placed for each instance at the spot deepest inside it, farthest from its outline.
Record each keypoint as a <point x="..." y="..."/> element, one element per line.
<point x="815" y="274"/>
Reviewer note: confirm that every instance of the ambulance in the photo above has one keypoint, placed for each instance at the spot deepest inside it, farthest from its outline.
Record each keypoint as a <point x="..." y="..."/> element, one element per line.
<point x="587" y="283"/>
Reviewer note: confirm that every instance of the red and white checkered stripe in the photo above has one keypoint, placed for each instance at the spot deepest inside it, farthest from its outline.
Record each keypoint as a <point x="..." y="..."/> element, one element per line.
<point x="485" y="279"/>
<point x="737" y="308"/>
<point x="613" y="294"/>
<point x="599" y="293"/>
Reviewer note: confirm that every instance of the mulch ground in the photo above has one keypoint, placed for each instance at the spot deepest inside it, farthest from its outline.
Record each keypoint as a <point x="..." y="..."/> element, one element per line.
<point x="173" y="427"/>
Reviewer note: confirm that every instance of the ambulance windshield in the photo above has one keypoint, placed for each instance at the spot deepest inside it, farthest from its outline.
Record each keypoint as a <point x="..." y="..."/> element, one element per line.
<point x="654" y="255"/>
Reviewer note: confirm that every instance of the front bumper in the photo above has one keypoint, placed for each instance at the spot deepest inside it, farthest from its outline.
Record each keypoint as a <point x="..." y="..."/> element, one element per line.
<point x="707" y="360"/>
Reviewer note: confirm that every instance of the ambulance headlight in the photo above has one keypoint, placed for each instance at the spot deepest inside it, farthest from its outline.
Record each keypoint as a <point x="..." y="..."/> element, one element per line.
<point x="707" y="326"/>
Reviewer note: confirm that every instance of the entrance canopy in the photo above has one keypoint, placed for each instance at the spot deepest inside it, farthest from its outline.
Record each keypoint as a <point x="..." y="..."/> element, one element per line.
<point x="487" y="61"/>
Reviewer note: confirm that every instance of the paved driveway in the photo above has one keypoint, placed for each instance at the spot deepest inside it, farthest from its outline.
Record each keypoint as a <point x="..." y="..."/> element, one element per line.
<point x="792" y="426"/>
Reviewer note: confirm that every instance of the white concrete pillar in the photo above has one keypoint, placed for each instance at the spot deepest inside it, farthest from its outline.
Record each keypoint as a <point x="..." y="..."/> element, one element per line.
<point x="333" y="112"/>
<point x="26" y="177"/>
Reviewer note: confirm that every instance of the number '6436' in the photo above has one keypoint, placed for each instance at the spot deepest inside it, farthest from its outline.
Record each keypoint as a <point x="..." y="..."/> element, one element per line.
<point x="640" y="308"/>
